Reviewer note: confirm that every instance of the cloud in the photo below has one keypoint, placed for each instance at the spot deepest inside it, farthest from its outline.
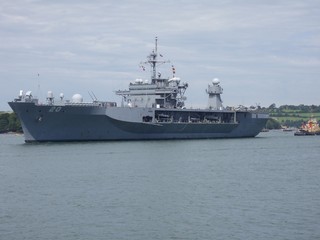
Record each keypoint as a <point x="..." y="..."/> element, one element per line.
<point x="99" y="44"/>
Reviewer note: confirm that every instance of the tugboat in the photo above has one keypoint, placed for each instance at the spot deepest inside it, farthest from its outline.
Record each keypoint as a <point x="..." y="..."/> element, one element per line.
<point x="150" y="109"/>
<point x="309" y="129"/>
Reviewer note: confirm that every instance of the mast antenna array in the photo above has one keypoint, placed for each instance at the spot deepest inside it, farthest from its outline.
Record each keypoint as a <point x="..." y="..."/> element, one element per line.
<point x="153" y="61"/>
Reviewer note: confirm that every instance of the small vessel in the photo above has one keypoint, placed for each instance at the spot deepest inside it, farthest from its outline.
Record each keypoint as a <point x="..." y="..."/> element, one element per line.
<point x="150" y="109"/>
<point x="309" y="128"/>
<point x="287" y="129"/>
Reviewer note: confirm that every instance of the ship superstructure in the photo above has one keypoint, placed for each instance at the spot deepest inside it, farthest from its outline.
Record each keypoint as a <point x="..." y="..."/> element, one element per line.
<point x="150" y="109"/>
<point x="159" y="92"/>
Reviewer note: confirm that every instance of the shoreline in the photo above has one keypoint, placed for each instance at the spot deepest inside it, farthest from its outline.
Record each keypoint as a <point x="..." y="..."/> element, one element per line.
<point x="11" y="133"/>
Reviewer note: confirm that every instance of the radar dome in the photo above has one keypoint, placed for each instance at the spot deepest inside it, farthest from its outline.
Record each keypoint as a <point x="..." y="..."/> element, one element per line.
<point x="77" y="98"/>
<point x="215" y="81"/>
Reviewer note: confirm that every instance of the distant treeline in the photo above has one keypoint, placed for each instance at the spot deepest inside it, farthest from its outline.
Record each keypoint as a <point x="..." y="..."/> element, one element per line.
<point x="293" y="108"/>
<point x="9" y="123"/>
<point x="291" y="115"/>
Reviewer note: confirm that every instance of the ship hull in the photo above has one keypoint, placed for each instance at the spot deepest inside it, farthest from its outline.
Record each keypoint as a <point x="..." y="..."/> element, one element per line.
<point x="42" y="123"/>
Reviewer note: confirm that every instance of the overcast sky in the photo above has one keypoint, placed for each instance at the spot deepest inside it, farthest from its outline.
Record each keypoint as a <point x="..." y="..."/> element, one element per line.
<point x="263" y="52"/>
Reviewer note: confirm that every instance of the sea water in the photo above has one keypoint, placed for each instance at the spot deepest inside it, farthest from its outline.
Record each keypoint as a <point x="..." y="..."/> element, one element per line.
<point x="266" y="187"/>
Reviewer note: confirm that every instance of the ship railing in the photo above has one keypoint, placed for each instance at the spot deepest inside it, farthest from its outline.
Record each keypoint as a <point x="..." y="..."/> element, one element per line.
<point x="90" y="104"/>
<point x="193" y="121"/>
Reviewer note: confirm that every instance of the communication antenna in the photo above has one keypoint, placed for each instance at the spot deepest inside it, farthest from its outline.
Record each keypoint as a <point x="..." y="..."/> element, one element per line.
<point x="93" y="96"/>
<point x="153" y="61"/>
<point x="38" y="93"/>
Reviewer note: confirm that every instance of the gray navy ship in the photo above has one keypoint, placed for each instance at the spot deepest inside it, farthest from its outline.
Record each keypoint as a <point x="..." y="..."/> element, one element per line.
<point x="150" y="109"/>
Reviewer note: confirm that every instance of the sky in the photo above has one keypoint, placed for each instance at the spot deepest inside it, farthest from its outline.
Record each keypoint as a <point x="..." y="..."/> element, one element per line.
<point x="263" y="52"/>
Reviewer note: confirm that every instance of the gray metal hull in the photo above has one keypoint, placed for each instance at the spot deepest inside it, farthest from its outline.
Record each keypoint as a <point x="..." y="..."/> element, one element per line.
<point x="96" y="123"/>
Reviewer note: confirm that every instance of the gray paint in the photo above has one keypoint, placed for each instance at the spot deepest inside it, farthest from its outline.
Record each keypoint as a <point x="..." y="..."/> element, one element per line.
<point x="149" y="110"/>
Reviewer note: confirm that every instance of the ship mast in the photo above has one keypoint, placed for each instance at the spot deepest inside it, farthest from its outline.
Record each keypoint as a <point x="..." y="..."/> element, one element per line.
<point x="152" y="60"/>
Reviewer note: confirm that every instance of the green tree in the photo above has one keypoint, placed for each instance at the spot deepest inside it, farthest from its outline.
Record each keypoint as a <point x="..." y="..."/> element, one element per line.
<point x="4" y="122"/>
<point x="9" y="122"/>
<point x="273" y="124"/>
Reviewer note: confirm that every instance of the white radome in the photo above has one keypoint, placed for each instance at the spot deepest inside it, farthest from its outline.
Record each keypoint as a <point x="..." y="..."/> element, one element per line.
<point x="215" y="81"/>
<point x="77" y="98"/>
